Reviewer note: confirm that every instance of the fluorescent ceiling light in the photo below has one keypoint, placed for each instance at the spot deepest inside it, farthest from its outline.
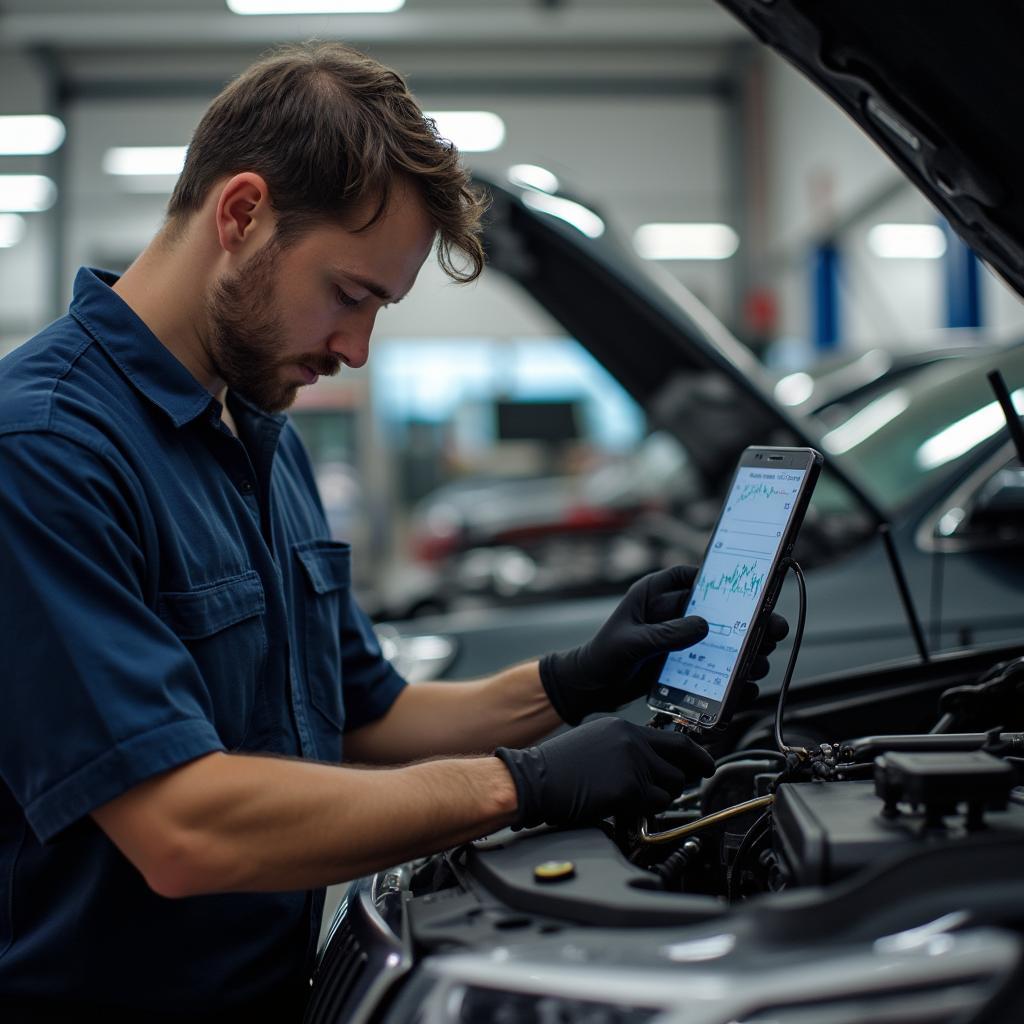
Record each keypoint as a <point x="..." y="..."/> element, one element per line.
<point x="30" y="134"/>
<point x="26" y="193"/>
<point x="794" y="388"/>
<point x="685" y="241"/>
<point x="12" y="229"/>
<point x="532" y="176"/>
<point x="472" y="131"/>
<point x="576" y="214"/>
<point x="314" y="6"/>
<point x="962" y="436"/>
<point x="143" y="160"/>
<point x="907" y="241"/>
<point x="860" y="426"/>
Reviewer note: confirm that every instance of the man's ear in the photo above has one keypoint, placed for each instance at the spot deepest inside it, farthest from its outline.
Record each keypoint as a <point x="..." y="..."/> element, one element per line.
<point x="244" y="215"/>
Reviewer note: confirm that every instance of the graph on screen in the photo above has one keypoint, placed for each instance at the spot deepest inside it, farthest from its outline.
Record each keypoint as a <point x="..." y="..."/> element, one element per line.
<point x="733" y="577"/>
<point x="750" y="492"/>
<point x="742" y="578"/>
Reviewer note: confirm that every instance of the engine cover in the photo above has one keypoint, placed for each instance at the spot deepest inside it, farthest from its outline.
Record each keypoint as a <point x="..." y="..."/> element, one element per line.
<point x="826" y="831"/>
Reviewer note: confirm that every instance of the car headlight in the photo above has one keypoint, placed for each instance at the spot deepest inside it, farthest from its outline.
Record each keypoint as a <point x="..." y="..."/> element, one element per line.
<point x="471" y="1004"/>
<point x="427" y="1000"/>
<point x="572" y="982"/>
<point x="458" y="989"/>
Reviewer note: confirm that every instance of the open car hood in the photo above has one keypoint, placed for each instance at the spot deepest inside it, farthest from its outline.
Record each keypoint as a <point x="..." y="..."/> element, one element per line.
<point x="690" y="375"/>
<point x="934" y="85"/>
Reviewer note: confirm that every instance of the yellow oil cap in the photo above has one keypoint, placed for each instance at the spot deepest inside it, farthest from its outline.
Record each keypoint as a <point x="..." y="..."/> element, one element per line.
<point x="554" y="871"/>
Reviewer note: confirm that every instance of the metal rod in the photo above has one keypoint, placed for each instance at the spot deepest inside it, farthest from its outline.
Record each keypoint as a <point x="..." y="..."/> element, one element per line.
<point x="904" y="592"/>
<point x="995" y="378"/>
<point x="701" y="823"/>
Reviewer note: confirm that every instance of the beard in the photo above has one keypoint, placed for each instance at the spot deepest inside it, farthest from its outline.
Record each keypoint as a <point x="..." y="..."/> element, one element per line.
<point x="246" y="340"/>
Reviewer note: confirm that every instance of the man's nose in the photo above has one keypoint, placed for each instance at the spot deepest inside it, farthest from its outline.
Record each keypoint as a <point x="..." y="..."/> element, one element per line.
<point x="352" y="343"/>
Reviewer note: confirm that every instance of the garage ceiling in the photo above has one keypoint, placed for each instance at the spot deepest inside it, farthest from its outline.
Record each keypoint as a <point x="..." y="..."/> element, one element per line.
<point x="533" y="48"/>
<point x="159" y="24"/>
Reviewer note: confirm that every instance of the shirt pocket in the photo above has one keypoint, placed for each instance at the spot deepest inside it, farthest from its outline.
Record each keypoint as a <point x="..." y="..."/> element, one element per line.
<point x="222" y="623"/>
<point x="327" y="572"/>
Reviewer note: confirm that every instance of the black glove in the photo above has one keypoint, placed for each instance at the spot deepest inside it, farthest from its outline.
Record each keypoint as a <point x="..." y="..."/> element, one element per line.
<point x="624" y="658"/>
<point x="604" y="767"/>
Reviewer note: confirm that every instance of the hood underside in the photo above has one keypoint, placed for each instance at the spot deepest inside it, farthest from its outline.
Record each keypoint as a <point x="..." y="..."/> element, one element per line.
<point x="934" y="85"/>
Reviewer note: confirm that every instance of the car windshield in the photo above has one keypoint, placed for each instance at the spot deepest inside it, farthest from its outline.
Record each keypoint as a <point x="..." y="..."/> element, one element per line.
<point x="917" y="431"/>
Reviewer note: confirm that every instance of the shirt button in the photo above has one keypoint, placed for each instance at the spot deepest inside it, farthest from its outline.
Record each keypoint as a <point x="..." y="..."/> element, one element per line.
<point x="246" y="486"/>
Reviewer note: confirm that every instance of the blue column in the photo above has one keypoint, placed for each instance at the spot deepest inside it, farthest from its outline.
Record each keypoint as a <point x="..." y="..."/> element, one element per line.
<point x="962" y="277"/>
<point x="825" y="312"/>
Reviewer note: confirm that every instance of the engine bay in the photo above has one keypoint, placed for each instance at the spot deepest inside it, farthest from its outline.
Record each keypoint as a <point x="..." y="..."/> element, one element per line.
<point x="822" y="816"/>
<point x="881" y="867"/>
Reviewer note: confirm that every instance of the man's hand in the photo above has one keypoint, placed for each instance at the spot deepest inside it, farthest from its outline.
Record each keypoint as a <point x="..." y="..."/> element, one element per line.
<point x="623" y="659"/>
<point x="605" y="767"/>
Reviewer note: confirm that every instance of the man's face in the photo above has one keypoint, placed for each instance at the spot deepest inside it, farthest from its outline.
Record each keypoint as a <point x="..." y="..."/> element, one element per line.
<point x="288" y="316"/>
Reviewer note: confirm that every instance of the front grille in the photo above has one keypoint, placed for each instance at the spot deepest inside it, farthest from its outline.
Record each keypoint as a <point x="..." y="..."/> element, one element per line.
<point x="340" y="969"/>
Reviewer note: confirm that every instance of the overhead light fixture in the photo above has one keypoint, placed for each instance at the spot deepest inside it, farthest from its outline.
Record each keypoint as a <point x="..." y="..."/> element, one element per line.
<point x="907" y="241"/>
<point x="30" y="134"/>
<point x="26" y="193"/>
<point x="472" y="131"/>
<point x="532" y="176"/>
<point x="12" y="230"/>
<point x="314" y="6"/>
<point x="584" y="220"/>
<point x="143" y="160"/>
<point x="685" y="241"/>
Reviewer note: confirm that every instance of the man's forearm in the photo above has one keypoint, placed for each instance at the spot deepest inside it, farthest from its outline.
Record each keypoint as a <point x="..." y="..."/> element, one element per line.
<point x="430" y="719"/>
<point x="246" y="823"/>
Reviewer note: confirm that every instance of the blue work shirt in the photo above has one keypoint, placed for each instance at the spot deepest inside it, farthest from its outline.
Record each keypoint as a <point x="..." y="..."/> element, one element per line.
<point x="168" y="590"/>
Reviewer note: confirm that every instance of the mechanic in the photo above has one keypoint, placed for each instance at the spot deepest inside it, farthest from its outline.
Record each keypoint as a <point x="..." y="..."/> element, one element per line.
<point x="181" y="651"/>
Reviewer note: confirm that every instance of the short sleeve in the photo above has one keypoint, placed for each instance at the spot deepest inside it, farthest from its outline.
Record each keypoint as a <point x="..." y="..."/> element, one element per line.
<point x="370" y="682"/>
<point x="99" y="693"/>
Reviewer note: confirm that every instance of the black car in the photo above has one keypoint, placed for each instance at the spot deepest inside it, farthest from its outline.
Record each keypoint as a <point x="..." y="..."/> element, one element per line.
<point x="517" y="539"/>
<point x="922" y="458"/>
<point x="861" y="857"/>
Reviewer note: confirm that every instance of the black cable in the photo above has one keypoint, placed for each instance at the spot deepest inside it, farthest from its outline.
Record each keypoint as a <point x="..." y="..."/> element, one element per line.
<point x="754" y="834"/>
<point x="797" y="637"/>
<point x="747" y="755"/>
<point x="671" y="869"/>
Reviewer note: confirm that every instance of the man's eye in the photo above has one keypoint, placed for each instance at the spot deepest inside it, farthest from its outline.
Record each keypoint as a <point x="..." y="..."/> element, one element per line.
<point x="344" y="298"/>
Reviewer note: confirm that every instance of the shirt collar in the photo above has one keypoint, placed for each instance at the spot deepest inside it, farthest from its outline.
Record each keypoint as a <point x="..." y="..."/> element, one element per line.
<point x="143" y="358"/>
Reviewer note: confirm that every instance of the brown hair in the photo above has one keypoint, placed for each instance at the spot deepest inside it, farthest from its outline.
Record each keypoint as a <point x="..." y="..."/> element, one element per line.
<point x="328" y="128"/>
